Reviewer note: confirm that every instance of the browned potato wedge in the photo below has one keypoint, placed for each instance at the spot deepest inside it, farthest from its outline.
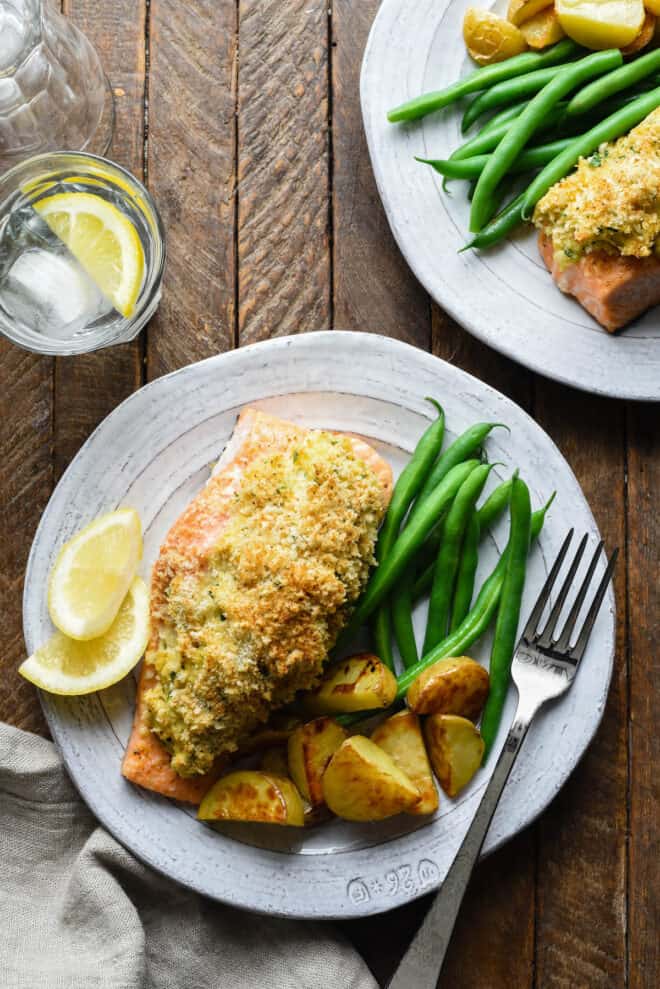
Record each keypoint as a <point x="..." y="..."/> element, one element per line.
<point x="401" y="737"/>
<point x="644" y="37"/>
<point x="490" y="38"/>
<point x="523" y="10"/>
<point x="311" y="748"/>
<point x="250" y="795"/>
<point x="362" y="783"/>
<point x="455" y="748"/>
<point x="542" y="29"/>
<point x="450" y="686"/>
<point x="274" y="760"/>
<point x="357" y="683"/>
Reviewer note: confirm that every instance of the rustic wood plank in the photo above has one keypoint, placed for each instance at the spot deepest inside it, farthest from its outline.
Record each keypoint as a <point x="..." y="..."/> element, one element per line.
<point x="581" y="923"/>
<point x="644" y="630"/>
<point x="88" y="387"/>
<point x="374" y="290"/>
<point x="191" y="155"/>
<point x="26" y="477"/>
<point x="283" y="243"/>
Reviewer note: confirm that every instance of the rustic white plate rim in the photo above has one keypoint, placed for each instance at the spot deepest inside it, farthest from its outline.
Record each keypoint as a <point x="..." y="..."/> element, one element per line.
<point x="535" y="325"/>
<point x="400" y="865"/>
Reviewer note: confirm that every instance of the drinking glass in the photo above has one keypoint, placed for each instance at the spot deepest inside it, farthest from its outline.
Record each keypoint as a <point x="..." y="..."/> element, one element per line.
<point x="49" y="300"/>
<point x="53" y="91"/>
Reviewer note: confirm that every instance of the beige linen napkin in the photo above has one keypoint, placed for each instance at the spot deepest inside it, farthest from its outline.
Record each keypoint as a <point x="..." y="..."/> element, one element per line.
<point x="77" y="911"/>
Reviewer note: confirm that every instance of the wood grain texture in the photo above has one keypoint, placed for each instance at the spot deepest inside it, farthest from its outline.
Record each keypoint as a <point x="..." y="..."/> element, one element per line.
<point x="26" y="476"/>
<point x="190" y="167"/>
<point x="581" y="914"/>
<point x="644" y="631"/>
<point x="88" y="387"/>
<point x="283" y="210"/>
<point x="373" y="288"/>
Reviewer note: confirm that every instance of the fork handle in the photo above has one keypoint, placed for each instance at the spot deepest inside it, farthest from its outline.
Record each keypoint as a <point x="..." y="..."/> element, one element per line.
<point x="423" y="960"/>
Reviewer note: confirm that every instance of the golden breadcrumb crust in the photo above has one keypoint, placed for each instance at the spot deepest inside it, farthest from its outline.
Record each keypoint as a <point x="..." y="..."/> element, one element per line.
<point x="611" y="202"/>
<point x="242" y="634"/>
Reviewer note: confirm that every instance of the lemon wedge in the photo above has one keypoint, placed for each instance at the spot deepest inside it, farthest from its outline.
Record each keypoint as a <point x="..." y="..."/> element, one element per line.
<point x="64" y="666"/>
<point x="93" y="573"/>
<point x="102" y="239"/>
<point x="601" y="23"/>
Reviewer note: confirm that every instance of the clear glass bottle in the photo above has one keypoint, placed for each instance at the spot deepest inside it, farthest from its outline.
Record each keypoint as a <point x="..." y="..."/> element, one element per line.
<point x="53" y="92"/>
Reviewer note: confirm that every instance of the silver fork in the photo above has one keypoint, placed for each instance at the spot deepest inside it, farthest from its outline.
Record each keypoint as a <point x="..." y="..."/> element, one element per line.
<point x="543" y="669"/>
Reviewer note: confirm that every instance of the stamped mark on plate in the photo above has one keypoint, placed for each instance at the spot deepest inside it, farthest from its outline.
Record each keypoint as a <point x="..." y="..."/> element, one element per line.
<point x="404" y="879"/>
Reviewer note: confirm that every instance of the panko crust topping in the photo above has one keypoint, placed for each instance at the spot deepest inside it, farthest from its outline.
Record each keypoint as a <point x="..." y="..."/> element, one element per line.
<point x="254" y="623"/>
<point x="611" y="202"/>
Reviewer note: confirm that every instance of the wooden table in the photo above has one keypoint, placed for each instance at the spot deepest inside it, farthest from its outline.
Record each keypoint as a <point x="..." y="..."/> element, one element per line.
<point x="244" y="119"/>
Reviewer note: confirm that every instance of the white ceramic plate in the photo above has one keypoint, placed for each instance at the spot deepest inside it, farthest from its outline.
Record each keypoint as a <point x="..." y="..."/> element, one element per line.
<point x="153" y="453"/>
<point x="504" y="296"/>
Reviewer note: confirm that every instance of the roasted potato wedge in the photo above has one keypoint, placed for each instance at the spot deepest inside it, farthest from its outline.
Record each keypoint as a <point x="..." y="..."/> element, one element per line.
<point x="363" y="783"/>
<point x="251" y="795"/>
<point x="450" y="686"/>
<point x="601" y="23"/>
<point x="274" y="760"/>
<point x="542" y="29"/>
<point x="357" y="683"/>
<point x="401" y="737"/>
<point x="455" y="749"/>
<point x="310" y="749"/>
<point x="645" y="36"/>
<point x="523" y="10"/>
<point x="490" y="38"/>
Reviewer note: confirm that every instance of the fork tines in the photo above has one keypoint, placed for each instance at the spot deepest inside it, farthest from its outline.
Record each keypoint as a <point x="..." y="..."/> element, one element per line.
<point x="544" y="639"/>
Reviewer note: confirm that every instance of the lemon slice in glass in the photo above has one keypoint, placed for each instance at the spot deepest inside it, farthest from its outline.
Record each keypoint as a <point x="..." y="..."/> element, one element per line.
<point x="93" y="573"/>
<point x="64" y="666"/>
<point x="102" y="239"/>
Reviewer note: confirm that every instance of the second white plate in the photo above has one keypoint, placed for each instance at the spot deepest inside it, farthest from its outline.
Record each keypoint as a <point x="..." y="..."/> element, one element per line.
<point x="504" y="296"/>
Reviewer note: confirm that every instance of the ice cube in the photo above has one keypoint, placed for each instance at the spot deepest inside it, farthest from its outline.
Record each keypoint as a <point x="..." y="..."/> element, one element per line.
<point x="52" y="294"/>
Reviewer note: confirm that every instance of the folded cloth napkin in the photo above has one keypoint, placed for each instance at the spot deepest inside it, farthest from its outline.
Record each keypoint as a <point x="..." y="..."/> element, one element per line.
<point x="77" y="911"/>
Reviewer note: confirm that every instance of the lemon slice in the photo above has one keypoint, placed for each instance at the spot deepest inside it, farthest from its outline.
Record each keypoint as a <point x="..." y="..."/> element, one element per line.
<point x="64" y="666"/>
<point x="93" y="573"/>
<point x="102" y="239"/>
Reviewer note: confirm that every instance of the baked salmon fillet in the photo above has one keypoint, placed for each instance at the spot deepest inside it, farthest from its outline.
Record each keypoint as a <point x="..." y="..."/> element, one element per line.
<point x="251" y="587"/>
<point x="600" y="228"/>
<point x="613" y="289"/>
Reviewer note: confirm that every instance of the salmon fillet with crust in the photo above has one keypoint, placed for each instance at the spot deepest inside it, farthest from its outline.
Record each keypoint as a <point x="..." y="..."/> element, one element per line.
<point x="252" y="585"/>
<point x="613" y="289"/>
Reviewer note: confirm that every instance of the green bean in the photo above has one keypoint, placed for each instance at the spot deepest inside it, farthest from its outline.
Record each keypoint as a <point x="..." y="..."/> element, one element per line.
<point x="447" y="563"/>
<point x="478" y="619"/>
<point x="410" y="539"/>
<point x="494" y="505"/>
<point x="402" y="623"/>
<point x="482" y="143"/>
<point x="528" y="122"/>
<point x="381" y="633"/>
<point x="499" y="227"/>
<point x="410" y="480"/>
<point x="487" y="514"/>
<point x="467" y="571"/>
<point x="462" y="448"/>
<point x="471" y="168"/>
<point x="607" y="130"/>
<point x="614" y="82"/>
<point x="504" y="116"/>
<point x="506" y="92"/>
<point x="508" y="612"/>
<point x="481" y="79"/>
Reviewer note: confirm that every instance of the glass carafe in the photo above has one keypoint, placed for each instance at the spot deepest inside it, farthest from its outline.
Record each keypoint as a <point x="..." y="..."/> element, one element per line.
<point x="53" y="92"/>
